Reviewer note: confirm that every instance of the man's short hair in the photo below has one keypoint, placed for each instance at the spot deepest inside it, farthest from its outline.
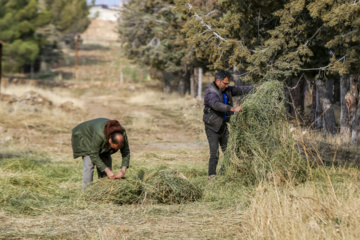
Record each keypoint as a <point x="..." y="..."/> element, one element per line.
<point x="222" y="74"/>
<point x="113" y="137"/>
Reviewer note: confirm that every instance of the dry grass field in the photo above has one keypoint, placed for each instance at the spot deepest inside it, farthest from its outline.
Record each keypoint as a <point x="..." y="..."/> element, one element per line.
<point x="41" y="193"/>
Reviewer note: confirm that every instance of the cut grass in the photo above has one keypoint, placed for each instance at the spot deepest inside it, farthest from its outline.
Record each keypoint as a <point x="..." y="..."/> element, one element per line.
<point x="30" y="186"/>
<point x="161" y="186"/>
<point x="41" y="195"/>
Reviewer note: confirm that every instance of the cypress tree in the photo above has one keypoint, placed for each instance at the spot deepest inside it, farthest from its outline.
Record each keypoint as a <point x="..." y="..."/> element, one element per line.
<point x="151" y="35"/>
<point x="69" y="16"/>
<point x="19" y="21"/>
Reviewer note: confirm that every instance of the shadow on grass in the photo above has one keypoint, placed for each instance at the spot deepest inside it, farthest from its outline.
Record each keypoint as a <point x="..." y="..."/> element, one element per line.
<point x="337" y="156"/>
<point x="90" y="47"/>
<point x="10" y="155"/>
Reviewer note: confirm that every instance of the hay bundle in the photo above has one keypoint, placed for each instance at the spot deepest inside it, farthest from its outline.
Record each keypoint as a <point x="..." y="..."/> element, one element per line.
<point x="115" y="191"/>
<point x="156" y="186"/>
<point x="260" y="145"/>
<point x="171" y="187"/>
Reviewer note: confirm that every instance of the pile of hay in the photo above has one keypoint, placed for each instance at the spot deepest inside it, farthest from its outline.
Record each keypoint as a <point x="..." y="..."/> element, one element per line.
<point x="260" y="146"/>
<point x="155" y="186"/>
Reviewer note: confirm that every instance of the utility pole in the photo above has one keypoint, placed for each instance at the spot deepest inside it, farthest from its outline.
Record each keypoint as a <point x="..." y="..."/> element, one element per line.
<point x="76" y="55"/>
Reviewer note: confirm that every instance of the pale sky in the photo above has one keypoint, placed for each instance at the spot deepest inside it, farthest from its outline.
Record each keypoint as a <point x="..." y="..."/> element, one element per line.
<point x="107" y="2"/>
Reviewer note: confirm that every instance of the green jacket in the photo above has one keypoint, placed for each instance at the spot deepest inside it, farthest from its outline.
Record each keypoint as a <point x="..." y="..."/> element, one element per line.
<point x="88" y="138"/>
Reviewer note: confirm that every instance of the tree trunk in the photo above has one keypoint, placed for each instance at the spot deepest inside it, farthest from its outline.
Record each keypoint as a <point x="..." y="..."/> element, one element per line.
<point x="200" y="75"/>
<point x="167" y="85"/>
<point x="184" y="82"/>
<point x="32" y="70"/>
<point x="307" y="102"/>
<point x="329" y="84"/>
<point x="317" y="118"/>
<point x="236" y="76"/>
<point x="288" y="100"/>
<point x="354" y="121"/>
<point x="1" y="46"/>
<point x="355" y="127"/>
<point x="336" y="96"/>
<point x="43" y="65"/>
<point x="296" y="97"/>
<point x="326" y="110"/>
<point x="193" y="83"/>
<point x="344" y="123"/>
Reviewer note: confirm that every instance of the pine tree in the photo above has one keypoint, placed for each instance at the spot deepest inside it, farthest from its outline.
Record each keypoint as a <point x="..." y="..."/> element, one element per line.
<point x="282" y="40"/>
<point x="33" y="28"/>
<point x="19" y="20"/>
<point x="151" y="34"/>
<point x="69" y="16"/>
<point x="226" y="32"/>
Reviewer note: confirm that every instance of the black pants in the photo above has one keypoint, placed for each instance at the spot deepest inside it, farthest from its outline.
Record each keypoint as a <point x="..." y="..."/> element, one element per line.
<point x="106" y="158"/>
<point x="215" y="139"/>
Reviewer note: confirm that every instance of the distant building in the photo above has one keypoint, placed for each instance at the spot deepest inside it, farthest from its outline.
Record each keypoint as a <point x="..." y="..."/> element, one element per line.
<point x="104" y="13"/>
<point x="103" y="27"/>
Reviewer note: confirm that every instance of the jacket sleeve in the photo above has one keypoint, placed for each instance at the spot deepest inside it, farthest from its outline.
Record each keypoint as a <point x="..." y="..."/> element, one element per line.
<point x="215" y="103"/>
<point x="241" y="90"/>
<point x="125" y="152"/>
<point x="96" y="145"/>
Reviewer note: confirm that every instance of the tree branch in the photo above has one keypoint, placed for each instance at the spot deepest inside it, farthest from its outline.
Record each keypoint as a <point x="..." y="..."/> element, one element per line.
<point x="322" y="68"/>
<point x="205" y="24"/>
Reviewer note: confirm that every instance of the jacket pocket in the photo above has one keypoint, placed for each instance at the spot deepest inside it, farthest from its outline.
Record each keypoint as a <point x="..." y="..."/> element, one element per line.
<point x="209" y="116"/>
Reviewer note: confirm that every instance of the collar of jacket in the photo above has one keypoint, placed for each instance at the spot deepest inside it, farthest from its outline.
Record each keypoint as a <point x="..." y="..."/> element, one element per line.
<point x="217" y="89"/>
<point x="215" y="86"/>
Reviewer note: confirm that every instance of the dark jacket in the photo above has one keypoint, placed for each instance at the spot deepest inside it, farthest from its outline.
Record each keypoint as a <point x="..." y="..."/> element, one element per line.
<point x="214" y="104"/>
<point x="88" y="138"/>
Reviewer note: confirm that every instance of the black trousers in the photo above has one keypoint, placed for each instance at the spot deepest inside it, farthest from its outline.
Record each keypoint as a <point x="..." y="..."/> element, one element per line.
<point x="106" y="158"/>
<point x="215" y="140"/>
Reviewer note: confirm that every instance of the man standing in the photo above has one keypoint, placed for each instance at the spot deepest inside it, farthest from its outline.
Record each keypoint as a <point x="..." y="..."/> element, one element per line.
<point x="95" y="140"/>
<point x="217" y="111"/>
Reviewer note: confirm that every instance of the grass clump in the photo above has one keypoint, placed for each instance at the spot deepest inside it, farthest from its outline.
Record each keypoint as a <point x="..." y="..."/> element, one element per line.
<point x="127" y="191"/>
<point x="260" y="145"/>
<point x="160" y="186"/>
<point x="31" y="186"/>
<point x="171" y="187"/>
<point x="25" y="194"/>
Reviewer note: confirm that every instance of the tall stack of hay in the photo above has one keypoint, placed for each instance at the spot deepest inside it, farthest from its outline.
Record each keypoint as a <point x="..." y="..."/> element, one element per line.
<point x="260" y="145"/>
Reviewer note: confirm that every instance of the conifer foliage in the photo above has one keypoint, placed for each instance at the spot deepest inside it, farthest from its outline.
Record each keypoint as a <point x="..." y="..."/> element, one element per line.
<point x="18" y="23"/>
<point x="275" y="39"/>
<point x="293" y="41"/>
<point x="27" y="25"/>
<point x="151" y="34"/>
<point x="69" y="16"/>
